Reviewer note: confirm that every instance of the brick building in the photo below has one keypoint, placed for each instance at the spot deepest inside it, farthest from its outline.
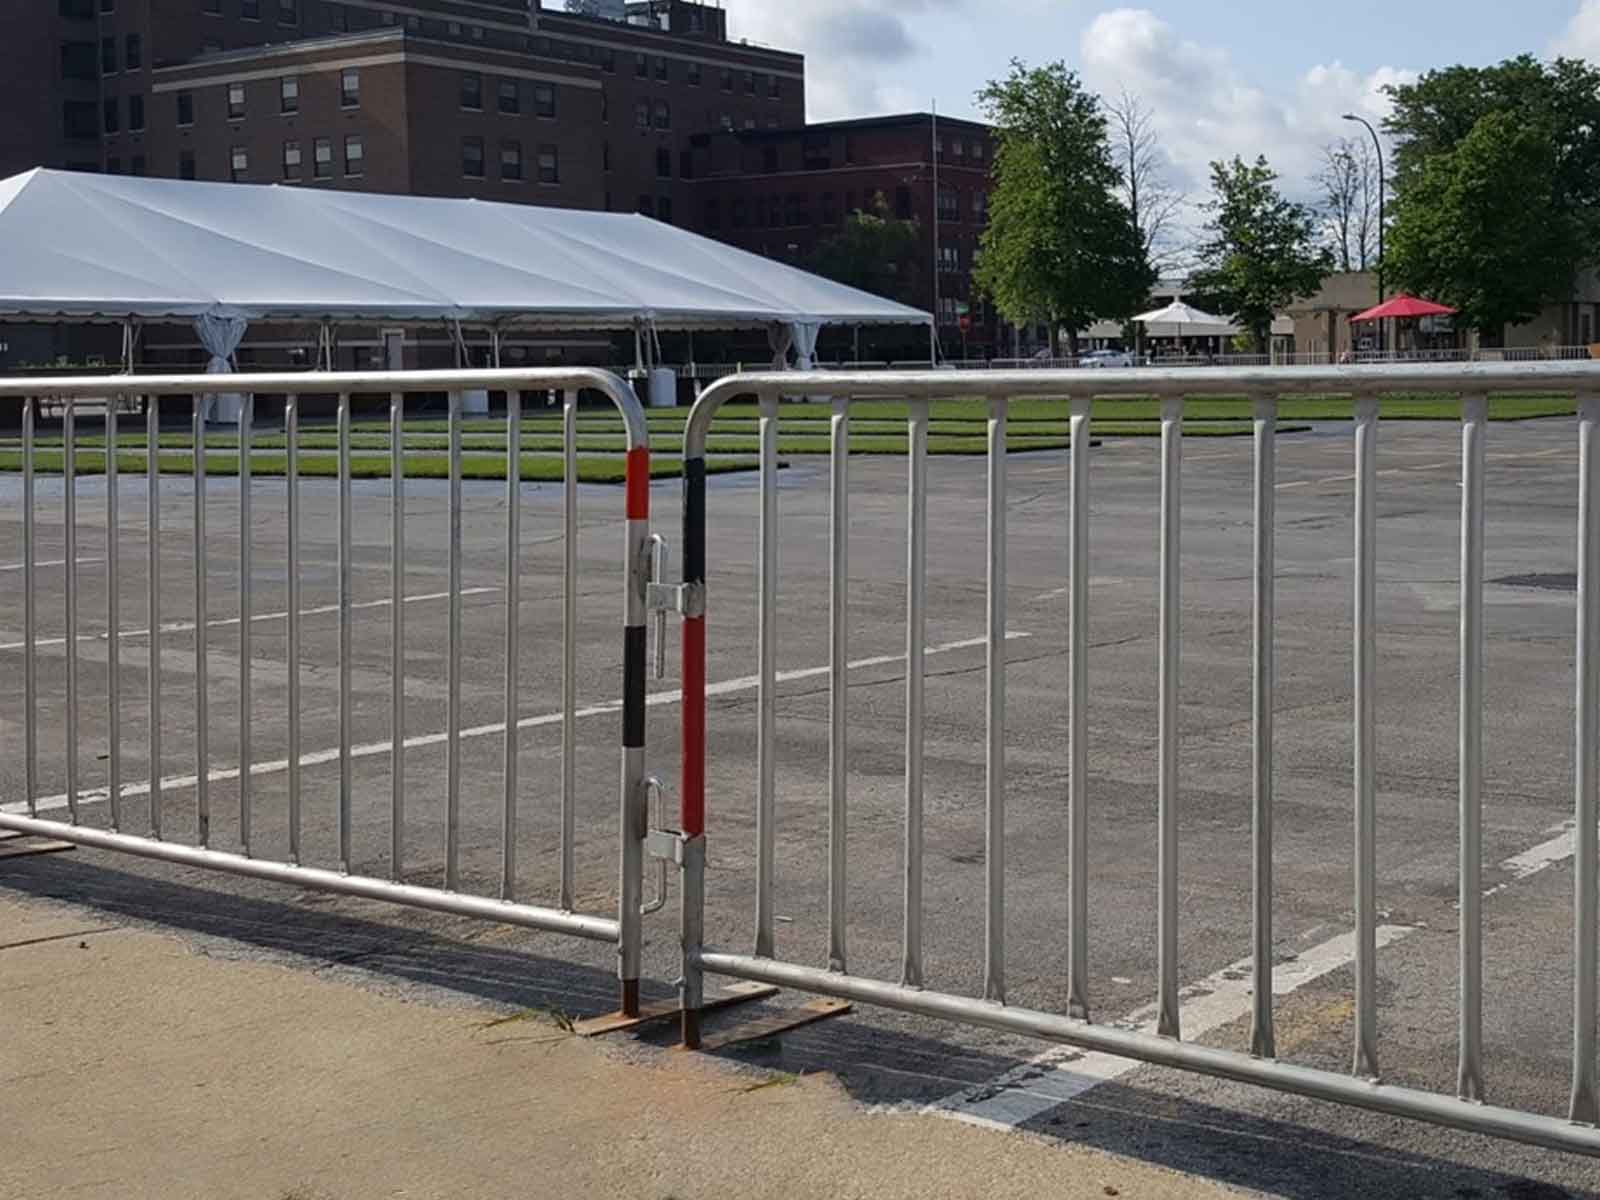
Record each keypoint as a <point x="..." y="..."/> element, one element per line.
<point x="499" y="99"/>
<point x="780" y="192"/>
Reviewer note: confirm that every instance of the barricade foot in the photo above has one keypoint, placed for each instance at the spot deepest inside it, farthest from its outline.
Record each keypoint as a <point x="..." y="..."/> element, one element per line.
<point x="666" y="1010"/>
<point x="22" y="845"/>
<point x="776" y="1023"/>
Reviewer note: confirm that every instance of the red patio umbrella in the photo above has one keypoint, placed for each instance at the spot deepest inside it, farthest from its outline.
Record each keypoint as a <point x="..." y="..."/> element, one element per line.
<point x="1403" y="308"/>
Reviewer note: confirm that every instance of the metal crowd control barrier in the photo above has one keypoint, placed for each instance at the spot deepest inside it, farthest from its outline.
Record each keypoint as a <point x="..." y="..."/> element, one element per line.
<point x="622" y="929"/>
<point x="1074" y="1025"/>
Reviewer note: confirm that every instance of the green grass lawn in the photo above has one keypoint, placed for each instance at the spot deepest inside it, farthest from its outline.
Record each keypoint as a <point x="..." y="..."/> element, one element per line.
<point x="535" y="468"/>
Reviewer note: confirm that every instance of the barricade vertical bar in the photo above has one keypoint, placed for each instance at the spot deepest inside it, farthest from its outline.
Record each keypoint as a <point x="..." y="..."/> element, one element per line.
<point x="291" y="429"/>
<point x="397" y="636"/>
<point x="838" y="678"/>
<point x="513" y="641"/>
<point x="569" y="646"/>
<point x="152" y="479"/>
<point x="1078" y="715"/>
<point x="202" y="718"/>
<point x="1474" y="430"/>
<point x="1263" y="1043"/>
<point x="113" y="625"/>
<point x="69" y="422"/>
<point x="1585" y="1105"/>
<point x="1366" y="670"/>
<point x="916" y="673"/>
<point x="346" y="716"/>
<point x="30" y="670"/>
<point x="246" y="419"/>
<point x="452" y="819"/>
<point x="767" y="694"/>
<point x="1167" y="733"/>
<point x="692" y="790"/>
<point x="635" y="800"/>
<point x="994" y="975"/>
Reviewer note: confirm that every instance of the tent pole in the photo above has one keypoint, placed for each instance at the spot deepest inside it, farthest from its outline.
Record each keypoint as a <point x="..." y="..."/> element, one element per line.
<point x="127" y="346"/>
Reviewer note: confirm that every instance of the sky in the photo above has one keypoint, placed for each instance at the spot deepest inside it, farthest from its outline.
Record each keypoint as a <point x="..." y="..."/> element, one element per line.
<point x="1222" y="77"/>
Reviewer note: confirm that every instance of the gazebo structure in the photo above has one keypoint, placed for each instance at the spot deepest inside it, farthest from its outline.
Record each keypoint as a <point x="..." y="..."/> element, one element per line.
<point x="85" y="248"/>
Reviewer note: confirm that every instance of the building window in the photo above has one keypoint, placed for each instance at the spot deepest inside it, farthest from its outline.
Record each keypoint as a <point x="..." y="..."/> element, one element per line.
<point x="663" y="115"/>
<point x="472" y="91"/>
<point x="386" y="17"/>
<point x="250" y="10"/>
<point x="977" y="151"/>
<point x="661" y="69"/>
<point x="980" y="206"/>
<point x="135" y="114"/>
<point x="725" y="79"/>
<point x="664" y="209"/>
<point x="185" y="164"/>
<point x="949" y="204"/>
<point x="511" y="160"/>
<point x="608" y="61"/>
<point x="108" y="56"/>
<point x="350" y="88"/>
<point x="288" y="12"/>
<point x="355" y="155"/>
<point x="291" y="160"/>
<point x="641" y="66"/>
<point x="749" y="122"/>
<point x="749" y="83"/>
<point x="414" y="23"/>
<point x="692" y="72"/>
<point x="108" y="122"/>
<point x="472" y="157"/>
<point x="902" y="203"/>
<point x="338" y="18"/>
<point x="797" y="209"/>
<point x="477" y="33"/>
<point x="544" y="100"/>
<point x="641" y="114"/>
<point x="289" y="94"/>
<point x="664" y="163"/>
<point x="686" y="165"/>
<point x="239" y="158"/>
<point x="725" y="121"/>
<point x="549" y="165"/>
<point x="235" y="101"/>
<point x="185" y="108"/>
<point x="510" y="97"/>
<point x="133" y="52"/>
<point x="774" y="211"/>
<point x="322" y="158"/>
<point x="774" y="87"/>
<point x="137" y="168"/>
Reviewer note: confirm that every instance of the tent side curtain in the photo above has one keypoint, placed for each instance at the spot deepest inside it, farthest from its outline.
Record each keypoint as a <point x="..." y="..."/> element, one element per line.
<point x="220" y="336"/>
<point x="804" y="334"/>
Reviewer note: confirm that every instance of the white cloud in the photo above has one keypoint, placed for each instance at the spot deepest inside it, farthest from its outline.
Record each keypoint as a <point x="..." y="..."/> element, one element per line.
<point x="1581" y="37"/>
<point x="851" y="48"/>
<point x="1206" y="108"/>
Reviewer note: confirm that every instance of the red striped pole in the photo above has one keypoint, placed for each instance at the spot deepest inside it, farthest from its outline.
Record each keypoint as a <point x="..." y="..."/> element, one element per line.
<point x="635" y="819"/>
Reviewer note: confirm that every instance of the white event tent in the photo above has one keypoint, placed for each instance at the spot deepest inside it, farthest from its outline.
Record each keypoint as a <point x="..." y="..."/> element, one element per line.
<point x="87" y="247"/>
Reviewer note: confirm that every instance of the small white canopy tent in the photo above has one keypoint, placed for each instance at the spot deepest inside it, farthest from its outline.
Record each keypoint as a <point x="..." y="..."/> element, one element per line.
<point x="108" y="247"/>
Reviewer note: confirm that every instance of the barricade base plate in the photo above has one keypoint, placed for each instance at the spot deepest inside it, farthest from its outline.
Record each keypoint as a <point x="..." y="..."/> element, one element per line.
<point x="666" y="1010"/>
<point x="776" y="1023"/>
<point x="22" y="845"/>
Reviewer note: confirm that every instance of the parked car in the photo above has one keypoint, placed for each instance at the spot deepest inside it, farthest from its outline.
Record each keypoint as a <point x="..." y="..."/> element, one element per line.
<point x="1106" y="358"/>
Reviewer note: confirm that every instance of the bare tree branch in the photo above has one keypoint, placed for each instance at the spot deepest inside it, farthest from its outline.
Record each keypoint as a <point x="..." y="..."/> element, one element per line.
<point x="1348" y="179"/>
<point x="1146" y="189"/>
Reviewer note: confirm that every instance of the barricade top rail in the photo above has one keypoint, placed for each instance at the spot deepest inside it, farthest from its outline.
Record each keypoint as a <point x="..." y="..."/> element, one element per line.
<point x="301" y="383"/>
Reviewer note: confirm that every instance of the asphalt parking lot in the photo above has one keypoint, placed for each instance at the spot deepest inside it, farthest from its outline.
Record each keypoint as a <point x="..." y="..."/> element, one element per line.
<point x="1256" y="1139"/>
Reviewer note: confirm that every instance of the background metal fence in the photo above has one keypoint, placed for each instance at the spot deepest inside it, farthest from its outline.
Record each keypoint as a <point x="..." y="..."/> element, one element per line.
<point x="1074" y="1025"/>
<point x="22" y="814"/>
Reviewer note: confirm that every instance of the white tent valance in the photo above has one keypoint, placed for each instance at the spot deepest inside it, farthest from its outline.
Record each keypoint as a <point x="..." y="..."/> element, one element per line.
<point x="119" y="247"/>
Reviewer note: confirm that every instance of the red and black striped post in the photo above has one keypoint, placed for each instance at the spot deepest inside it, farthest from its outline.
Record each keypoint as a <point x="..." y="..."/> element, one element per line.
<point x="692" y="788"/>
<point x="635" y="815"/>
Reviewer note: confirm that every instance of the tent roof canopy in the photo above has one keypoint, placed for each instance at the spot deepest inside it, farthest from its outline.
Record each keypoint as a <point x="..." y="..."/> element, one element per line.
<point x="1404" y="308"/>
<point x="114" y="247"/>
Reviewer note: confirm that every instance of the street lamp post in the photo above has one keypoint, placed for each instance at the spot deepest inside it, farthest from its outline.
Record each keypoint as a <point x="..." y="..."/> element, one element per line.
<point x="1378" y="146"/>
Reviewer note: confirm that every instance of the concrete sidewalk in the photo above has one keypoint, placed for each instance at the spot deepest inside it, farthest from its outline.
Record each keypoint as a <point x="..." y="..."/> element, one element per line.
<point x="132" y="1066"/>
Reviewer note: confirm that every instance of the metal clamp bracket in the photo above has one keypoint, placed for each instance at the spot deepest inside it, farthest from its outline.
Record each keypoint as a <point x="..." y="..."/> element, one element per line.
<point x="685" y="599"/>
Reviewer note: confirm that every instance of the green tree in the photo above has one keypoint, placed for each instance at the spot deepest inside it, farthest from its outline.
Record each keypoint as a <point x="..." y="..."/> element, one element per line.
<point x="1260" y="252"/>
<point x="874" y="252"/>
<point x="1060" y="246"/>
<point x="1484" y="227"/>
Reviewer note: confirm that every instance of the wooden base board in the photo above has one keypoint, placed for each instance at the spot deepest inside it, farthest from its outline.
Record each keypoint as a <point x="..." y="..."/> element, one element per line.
<point x="776" y="1023"/>
<point x="21" y="845"/>
<point x="666" y="1010"/>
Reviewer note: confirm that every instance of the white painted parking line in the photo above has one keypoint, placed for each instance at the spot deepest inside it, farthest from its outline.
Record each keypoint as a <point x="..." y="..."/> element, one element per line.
<point x="51" y="562"/>
<point x="225" y="622"/>
<point x="1063" y="1074"/>
<point x="375" y="749"/>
